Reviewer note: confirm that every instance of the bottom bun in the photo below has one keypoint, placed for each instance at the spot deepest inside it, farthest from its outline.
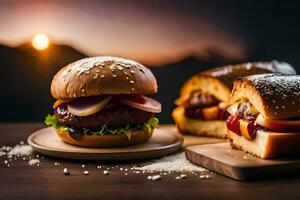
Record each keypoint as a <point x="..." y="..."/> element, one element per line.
<point x="267" y="144"/>
<point x="137" y="137"/>
<point x="213" y="128"/>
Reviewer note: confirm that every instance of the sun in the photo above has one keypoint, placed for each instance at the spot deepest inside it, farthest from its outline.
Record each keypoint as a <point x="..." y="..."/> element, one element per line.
<point x="40" y="41"/>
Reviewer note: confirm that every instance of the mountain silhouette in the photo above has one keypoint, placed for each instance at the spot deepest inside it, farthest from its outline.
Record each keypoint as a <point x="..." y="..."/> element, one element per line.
<point x="27" y="75"/>
<point x="26" y="78"/>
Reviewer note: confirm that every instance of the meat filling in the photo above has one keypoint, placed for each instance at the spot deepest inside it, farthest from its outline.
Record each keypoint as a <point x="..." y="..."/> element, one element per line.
<point x="200" y="100"/>
<point x="114" y="116"/>
<point x="204" y="107"/>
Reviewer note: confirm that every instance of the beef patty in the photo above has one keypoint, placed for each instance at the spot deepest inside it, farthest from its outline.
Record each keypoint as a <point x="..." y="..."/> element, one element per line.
<point x="116" y="116"/>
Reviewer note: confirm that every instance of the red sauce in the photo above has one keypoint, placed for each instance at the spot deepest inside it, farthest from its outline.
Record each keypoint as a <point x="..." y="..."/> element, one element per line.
<point x="252" y="129"/>
<point x="233" y="124"/>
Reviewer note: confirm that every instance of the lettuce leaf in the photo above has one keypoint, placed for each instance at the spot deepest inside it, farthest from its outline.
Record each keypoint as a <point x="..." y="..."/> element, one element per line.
<point x="148" y="126"/>
<point x="50" y="120"/>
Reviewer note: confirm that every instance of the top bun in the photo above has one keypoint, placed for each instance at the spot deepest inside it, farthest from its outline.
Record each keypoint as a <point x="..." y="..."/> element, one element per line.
<point x="102" y="75"/>
<point x="275" y="96"/>
<point x="219" y="81"/>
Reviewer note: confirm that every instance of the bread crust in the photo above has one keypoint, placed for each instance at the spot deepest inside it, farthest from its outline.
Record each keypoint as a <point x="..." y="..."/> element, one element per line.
<point x="213" y="128"/>
<point x="267" y="144"/>
<point x="102" y="75"/>
<point x="275" y="96"/>
<point x="137" y="137"/>
<point x="219" y="81"/>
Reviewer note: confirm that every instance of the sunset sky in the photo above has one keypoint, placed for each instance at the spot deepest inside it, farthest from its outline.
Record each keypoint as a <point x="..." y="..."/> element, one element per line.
<point x="148" y="31"/>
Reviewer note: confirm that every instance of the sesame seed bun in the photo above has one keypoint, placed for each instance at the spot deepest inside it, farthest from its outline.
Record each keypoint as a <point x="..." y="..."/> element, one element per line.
<point x="137" y="137"/>
<point x="275" y="96"/>
<point x="102" y="75"/>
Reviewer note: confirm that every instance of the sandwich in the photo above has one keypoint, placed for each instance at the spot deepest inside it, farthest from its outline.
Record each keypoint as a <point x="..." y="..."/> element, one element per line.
<point x="201" y="107"/>
<point x="264" y="115"/>
<point x="101" y="102"/>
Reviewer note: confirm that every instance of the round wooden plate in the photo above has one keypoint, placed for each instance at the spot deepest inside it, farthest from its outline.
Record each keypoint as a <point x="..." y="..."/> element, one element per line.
<point x="164" y="141"/>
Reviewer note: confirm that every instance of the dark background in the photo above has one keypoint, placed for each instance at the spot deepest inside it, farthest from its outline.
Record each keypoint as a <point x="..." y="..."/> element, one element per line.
<point x="265" y="30"/>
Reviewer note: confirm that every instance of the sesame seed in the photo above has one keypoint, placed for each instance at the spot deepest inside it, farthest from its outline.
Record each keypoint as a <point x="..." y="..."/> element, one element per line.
<point x="277" y="107"/>
<point x="105" y="172"/>
<point x="131" y="71"/>
<point x="131" y="82"/>
<point x="66" y="171"/>
<point x="83" y="166"/>
<point x="132" y="89"/>
<point x="97" y="70"/>
<point x="283" y="107"/>
<point x="183" y="176"/>
<point x="82" y="90"/>
<point x="202" y="176"/>
<point x="127" y="77"/>
<point x="114" y="75"/>
<point x="86" y="173"/>
<point x="74" y="95"/>
<point x="156" y="177"/>
<point x="102" y="76"/>
<point x="120" y="68"/>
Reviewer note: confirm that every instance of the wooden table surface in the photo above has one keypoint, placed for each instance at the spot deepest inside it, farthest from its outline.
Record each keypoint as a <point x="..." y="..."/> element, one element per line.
<point x="47" y="181"/>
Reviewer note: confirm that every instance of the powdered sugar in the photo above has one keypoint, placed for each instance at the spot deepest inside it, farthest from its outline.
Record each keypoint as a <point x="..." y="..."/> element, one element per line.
<point x="281" y="90"/>
<point x="272" y="66"/>
<point x="21" y="150"/>
<point x="34" y="162"/>
<point x="172" y="163"/>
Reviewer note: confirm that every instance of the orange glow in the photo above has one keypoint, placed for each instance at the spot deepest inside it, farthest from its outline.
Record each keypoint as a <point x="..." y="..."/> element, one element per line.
<point x="40" y="41"/>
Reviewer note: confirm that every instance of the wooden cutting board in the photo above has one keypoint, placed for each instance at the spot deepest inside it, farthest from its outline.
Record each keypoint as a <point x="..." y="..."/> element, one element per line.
<point x="238" y="165"/>
<point x="164" y="141"/>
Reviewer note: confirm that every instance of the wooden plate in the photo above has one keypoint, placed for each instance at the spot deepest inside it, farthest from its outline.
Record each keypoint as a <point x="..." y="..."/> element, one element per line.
<point x="239" y="165"/>
<point x="164" y="141"/>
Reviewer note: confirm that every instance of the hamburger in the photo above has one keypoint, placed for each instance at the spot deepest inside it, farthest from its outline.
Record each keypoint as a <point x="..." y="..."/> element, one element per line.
<point x="264" y="115"/>
<point x="101" y="102"/>
<point x="203" y="98"/>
